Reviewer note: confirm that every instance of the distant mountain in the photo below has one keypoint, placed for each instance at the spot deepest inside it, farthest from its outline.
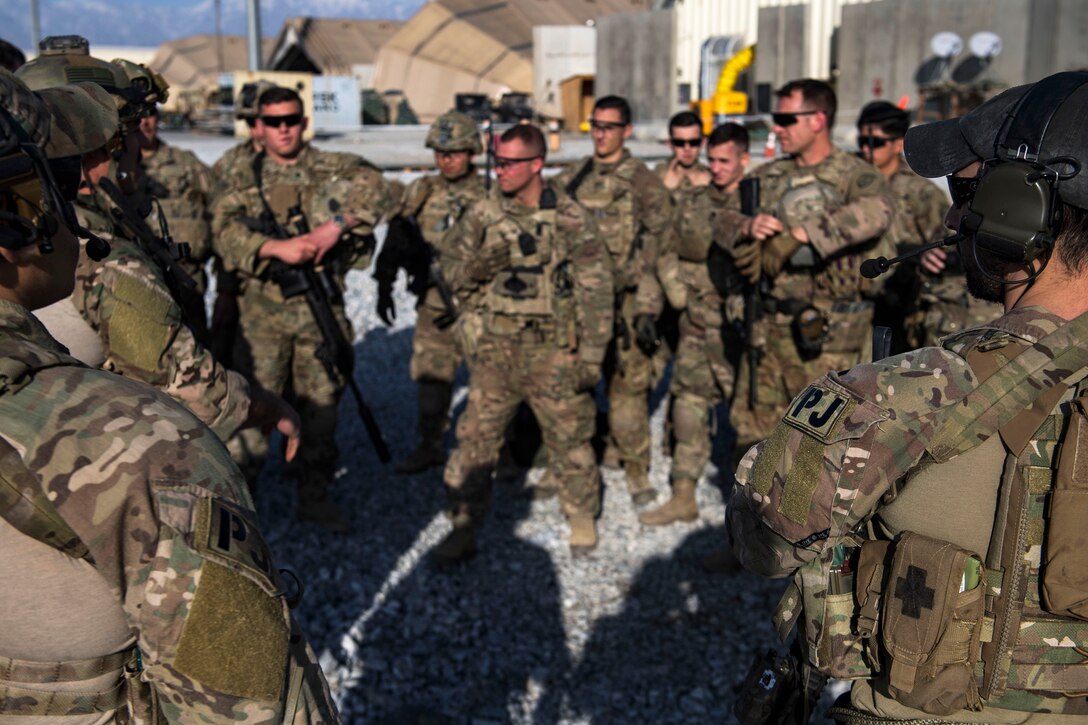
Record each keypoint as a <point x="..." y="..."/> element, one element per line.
<point x="137" y="22"/>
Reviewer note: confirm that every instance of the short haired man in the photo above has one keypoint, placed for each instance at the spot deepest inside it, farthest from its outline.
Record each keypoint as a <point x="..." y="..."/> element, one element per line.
<point x="429" y="207"/>
<point x="634" y="214"/>
<point x="931" y="504"/>
<point x="703" y="372"/>
<point x="120" y="606"/>
<point x="534" y="281"/>
<point x="686" y="143"/>
<point x="821" y="211"/>
<point x="291" y="178"/>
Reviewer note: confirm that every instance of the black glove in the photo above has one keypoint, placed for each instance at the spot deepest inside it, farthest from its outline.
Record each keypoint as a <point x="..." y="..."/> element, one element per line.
<point x="646" y="333"/>
<point x="386" y="309"/>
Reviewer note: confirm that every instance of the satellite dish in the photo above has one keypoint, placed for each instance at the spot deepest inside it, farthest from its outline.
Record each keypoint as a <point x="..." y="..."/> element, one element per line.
<point x="985" y="44"/>
<point x="947" y="44"/>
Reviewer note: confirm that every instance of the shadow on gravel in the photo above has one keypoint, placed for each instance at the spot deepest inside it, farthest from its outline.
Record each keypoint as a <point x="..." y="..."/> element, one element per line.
<point x="673" y="654"/>
<point x="478" y="642"/>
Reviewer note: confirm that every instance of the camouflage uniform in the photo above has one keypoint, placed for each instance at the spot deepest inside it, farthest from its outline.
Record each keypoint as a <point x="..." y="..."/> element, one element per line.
<point x="634" y="213"/>
<point x="281" y="333"/>
<point x="132" y="553"/>
<point x="881" y="443"/>
<point x="130" y="607"/>
<point x="844" y="205"/>
<point x="233" y="170"/>
<point x="535" y="343"/>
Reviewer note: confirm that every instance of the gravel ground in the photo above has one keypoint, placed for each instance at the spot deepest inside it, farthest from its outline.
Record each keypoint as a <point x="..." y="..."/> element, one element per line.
<point x="522" y="633"/>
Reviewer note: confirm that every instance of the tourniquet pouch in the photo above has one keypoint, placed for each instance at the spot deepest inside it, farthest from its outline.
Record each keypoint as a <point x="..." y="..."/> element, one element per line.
<point x="849" y="326"/>
<point x="932" y="622"/>
<point x="1065" y="570"/>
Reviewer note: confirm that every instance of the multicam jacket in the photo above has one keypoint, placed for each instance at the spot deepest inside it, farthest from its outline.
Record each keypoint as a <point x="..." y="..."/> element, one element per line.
<point x="844" y="205"/>
<point x="126" y="300"/>
<point x="183" y="187"/>
<point x="108" y="475"/>
<point x="633" y="212"/>
<point x="567" y="277"/>
<point x="856" y="444"/>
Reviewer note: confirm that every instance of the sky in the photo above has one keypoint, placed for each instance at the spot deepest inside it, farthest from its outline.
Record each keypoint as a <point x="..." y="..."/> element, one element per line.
<point x="152" y="22"/>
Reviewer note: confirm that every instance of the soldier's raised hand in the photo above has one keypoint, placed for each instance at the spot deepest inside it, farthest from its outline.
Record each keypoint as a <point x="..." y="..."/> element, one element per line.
<point x="269" y="411"/>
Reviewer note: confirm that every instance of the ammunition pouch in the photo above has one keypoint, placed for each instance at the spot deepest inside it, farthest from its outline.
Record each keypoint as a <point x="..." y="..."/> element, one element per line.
<point x="810" y="327"/>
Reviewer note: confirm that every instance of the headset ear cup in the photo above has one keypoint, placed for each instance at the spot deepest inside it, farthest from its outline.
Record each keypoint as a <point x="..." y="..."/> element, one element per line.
<point x="1014" y="210"/>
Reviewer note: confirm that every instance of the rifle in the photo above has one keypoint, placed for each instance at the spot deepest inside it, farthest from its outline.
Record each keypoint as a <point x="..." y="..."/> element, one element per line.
<point x="321" y="290"/>
<point x="753" y="297"/>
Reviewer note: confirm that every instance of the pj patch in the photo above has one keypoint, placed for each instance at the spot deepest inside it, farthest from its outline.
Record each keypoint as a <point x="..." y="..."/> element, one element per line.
<point x="819" y="412"/>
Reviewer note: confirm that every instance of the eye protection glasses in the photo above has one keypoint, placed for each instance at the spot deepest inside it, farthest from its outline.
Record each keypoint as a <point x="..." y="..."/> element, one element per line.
<point x="505" y="162"/>
<point x="789" y="119"/>
<point x="290" y="120"/>
<point x="605" y="126"/>
<point x="962" y="189"/>
<point x="690" y="143"/>
<point x="875" y="142"/>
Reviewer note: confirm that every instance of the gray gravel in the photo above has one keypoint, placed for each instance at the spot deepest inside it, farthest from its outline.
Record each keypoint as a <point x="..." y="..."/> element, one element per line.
<point x="522" y="633"/>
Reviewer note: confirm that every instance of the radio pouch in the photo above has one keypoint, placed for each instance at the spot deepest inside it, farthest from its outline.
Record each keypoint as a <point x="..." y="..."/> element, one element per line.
<point x="1065" y="571"/>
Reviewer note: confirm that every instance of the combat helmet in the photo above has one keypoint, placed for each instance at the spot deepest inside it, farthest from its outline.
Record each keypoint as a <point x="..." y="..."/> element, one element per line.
<point x="454" y="131"/>
<point x="152" y="85"/>
<point x="66" y="59"/>
<point x="245" y="103"/>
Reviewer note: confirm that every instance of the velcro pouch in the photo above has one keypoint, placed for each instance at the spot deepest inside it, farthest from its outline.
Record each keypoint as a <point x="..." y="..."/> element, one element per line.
<point x="849" y="327"/>
<point x="1065" y="573"/>
<point x="931" y="625"/>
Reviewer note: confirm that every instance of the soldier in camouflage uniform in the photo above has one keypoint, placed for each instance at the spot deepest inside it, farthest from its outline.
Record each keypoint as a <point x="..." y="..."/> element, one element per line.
<point x="182" y="186"/>
<point x="126" y="610"/>
<point x="433" y="204"/>
<point x="704" y="369"/>
<point x="123" y="316"/>
<point x="341" y="197"/>
<point x="534" y="283"/>
<point x="821" y="211"/>
<point x="634" y="213"/>
<point x="931" y="504"/>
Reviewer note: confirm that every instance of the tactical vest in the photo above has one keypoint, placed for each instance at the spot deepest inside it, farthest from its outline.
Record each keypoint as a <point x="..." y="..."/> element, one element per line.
<point x="528" y="286"/>
<point x="26" y="508"/>
<point x="695" y="232"/>
<point x="946" y="629"/>
<point x="610" y="200"/>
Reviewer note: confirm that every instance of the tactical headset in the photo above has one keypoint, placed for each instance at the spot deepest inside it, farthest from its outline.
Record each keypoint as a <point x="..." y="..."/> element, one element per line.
<point x="1016" y="211"/>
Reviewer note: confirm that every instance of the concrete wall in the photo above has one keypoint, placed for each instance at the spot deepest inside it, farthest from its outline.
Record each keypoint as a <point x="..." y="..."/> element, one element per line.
<point x="782" y="46"/>
<point x="636" y="57"/>
<point x="559" y="52"/>
<point x="883" y="45"/>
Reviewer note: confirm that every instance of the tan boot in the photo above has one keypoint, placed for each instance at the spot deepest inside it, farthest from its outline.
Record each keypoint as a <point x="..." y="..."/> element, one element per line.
<point x="434" y="402"/>
<point x="458" y="546"/>
<point x="638" y="485"/>
<point x="547" y="487"/>
<point x="583" y="535"/>
<point x="611" y="458"/>
<point x="680" y="507"/>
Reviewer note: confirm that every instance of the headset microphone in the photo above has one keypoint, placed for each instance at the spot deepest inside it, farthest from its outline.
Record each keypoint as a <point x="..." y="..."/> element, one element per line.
<point x="873" y="268"/>
<point x="97" y="247"/>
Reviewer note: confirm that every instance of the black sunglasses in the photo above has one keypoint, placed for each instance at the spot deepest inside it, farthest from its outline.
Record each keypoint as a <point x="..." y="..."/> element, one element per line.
<point x="689" y="142"/>
<point x="788" y="119"/>
<point x="605" y="125"/>
<point x="875" y="142"/>
<point x="291" y="119"/>
<point x="962" y="189"/>
<point x="504" y="162"/>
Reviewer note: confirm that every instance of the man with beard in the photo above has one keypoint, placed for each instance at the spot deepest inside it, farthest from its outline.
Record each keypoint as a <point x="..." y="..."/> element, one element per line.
<point x="932" y="504"/>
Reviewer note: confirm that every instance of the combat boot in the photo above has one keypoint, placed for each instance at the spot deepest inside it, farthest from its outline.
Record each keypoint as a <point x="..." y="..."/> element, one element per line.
<point x="458" y="546"/>
<point x="611" y="458"/>
<point x="434" y="403"/>
<point x="680" y="507"/>
<point x="322" y="512"/>
<point x="638" y="485"/>
<point x="583" y="535"/>
<point x="547" y="487"/>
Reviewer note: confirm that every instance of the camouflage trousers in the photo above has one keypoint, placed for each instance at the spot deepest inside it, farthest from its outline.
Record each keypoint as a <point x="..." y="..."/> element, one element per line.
<point x="702" y="377"/>
<point x="629" y="377"/>
<point x="506" y="371"/>
<point x="283" y="340"/>
<point x="436" y="353"/>
<point x="782" y="374"/>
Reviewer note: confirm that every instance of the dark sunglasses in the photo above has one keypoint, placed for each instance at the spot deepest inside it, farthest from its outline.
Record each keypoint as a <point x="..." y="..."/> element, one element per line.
<point x="962" y="189"/>
<point x="605" y="125"/>
<point x="689" y="142"/>
<point x="788" y="119"/>
<point x="291" y="120"/>
<point x="875" y="142"/>
<point x="503" y="162"/>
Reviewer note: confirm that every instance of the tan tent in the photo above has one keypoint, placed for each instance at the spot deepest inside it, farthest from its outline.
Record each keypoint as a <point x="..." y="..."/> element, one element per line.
<point x="467" y="46"/>
<point x="196" y="61"/>
<point x="329" y="46"/>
